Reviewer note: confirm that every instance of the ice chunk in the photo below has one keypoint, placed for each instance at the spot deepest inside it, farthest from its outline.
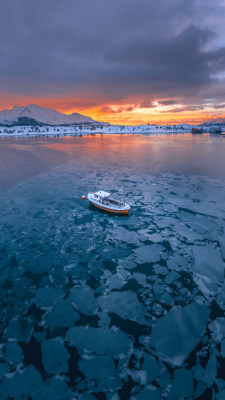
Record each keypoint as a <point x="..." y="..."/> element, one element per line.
<point x="182" y="385"/>
<point x="21" y="384"/>
<point x="223" y="348"/>
<point x="171" y="277"/>
<point x="148" y="253"/>
<point x="220" y="395"/>
<point x="53" y="389"/>
<point x="148" y="394"/>
<point x="45" y="297"/>
<point x="62" y="314"/>
<point x="167" y="299"/>
<point x="208" y="262"/>
<point x="54" y="356"/>
<point x="20" y="329"/>
<point x="4" y="368"/>
<point x="151" y="367"/>
<point x="125" y="235"/>
<point x="210" y="372"/>
<point x="101" y="371"/>
<point x="177" y="333"/>
<point x="13" y="353"/>
<point x="140" y="278"/>
<point x="83" y="299"/>
<point x="118" y="280"/>
<point x="98" y="340"/>
<point x="160" y="270"/>
<point x="217" y="328"/>
<point x="87" y="396"/>
<point x="124" y="304"/>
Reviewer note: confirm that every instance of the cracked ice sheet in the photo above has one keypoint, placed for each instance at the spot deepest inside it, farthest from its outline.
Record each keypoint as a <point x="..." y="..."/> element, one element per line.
<point x="177" y="333"/>
<point x="124" y="304"/>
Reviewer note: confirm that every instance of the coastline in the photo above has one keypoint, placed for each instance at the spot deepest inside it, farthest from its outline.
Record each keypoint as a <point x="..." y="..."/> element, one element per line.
<point x="76" y="131"/>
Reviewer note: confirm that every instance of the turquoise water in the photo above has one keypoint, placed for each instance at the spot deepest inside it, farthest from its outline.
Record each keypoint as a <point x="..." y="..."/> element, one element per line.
<point x="110" y="307"/>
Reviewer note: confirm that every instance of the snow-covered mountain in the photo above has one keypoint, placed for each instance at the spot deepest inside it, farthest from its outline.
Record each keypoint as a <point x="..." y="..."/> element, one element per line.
<point x="28" y="114"/>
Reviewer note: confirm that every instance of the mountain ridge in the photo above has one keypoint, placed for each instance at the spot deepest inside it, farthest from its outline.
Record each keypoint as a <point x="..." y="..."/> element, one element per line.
<point x="42" y="115"/>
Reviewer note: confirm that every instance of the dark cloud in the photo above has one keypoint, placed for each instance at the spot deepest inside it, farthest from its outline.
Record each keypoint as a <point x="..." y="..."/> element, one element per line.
<point x="146" y="104"/>
<point x="112" y="50"/>
<point x="185" y="108"/>
<point x="167" y="102"/>
<point x="219" y="106"/>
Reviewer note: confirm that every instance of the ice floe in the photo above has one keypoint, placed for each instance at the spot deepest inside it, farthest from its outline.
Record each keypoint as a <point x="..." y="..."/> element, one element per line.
<point x="125" y="304"/>
<point x="177" y="333"/>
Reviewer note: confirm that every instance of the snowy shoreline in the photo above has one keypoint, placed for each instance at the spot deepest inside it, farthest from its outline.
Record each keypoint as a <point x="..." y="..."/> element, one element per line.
<point x="84" y="130"/>
<point x="77" y="131"/>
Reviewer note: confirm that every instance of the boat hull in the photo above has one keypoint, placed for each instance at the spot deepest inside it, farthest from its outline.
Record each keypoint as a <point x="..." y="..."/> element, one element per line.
<point x="110" y="210"/>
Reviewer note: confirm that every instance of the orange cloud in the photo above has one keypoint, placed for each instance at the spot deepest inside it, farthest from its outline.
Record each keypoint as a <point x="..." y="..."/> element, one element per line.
<point x="132" y="112"/>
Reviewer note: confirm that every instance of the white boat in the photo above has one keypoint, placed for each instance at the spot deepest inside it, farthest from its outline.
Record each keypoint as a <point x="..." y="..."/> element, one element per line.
<point x="104" y="201"/>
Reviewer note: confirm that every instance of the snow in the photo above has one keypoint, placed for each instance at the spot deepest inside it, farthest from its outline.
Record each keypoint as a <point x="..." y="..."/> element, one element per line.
<point x="51" y="119"/>
<point x="41" y="114"/>
<point x="177" y="333"/>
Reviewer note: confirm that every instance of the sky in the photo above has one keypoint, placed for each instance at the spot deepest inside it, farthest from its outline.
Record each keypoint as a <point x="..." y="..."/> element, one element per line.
<point x="120" y="61"/>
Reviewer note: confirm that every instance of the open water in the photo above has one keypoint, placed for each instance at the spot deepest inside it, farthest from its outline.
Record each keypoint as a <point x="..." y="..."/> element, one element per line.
<point x="94" y="306"/>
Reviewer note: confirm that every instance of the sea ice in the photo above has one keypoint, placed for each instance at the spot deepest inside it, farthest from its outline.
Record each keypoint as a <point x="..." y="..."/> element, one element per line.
<point x="20" y="384"/>
<point x="54" y="356"/>
<point x="208" y="262"/>
<point x="177" y="333"/>
<point x="182" y="385"/>
<point x="53" y="389"/>
<point x="210" y="371"/>
<point x="98" y="340"/>
<point x="100" y="372"/>
<point x="151" y="367"/>
<point x="124" y="304"/>
<point x="148" y="253"/>
<point x="45" y="297"/>
<point x="13" y="353"/>
<point x="4" y="368"/>
<point x="83" y="299"/>
<point x="62" y="314"/>
<point x="118" y="280"/>
<point x="217" y="328"/>
<point x="20" y="329"/>
<point x="148" y="394"/>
